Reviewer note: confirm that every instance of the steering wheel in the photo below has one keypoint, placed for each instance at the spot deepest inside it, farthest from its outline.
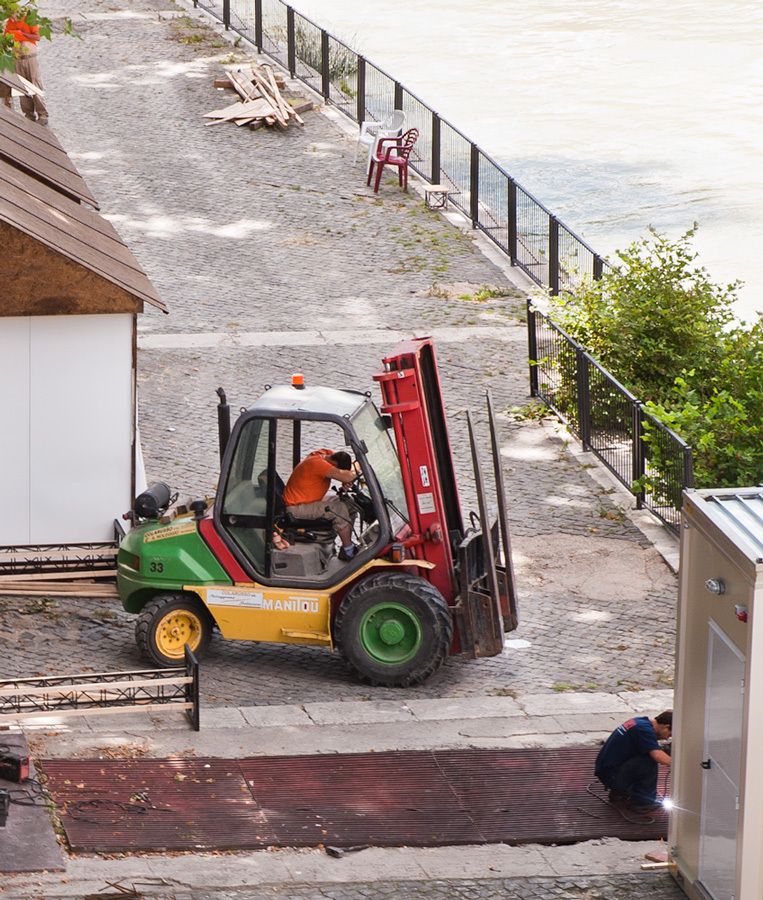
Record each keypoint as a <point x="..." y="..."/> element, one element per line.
<point x="358" y="491"/>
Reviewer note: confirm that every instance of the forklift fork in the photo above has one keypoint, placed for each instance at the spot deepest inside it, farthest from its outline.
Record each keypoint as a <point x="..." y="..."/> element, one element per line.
<point x="506" y="571"/>
<point x="488" y="605"/>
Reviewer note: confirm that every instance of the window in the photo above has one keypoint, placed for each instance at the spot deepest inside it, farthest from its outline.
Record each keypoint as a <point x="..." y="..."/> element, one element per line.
<point x="383" y="459"/>
<point x="245" y="506"/>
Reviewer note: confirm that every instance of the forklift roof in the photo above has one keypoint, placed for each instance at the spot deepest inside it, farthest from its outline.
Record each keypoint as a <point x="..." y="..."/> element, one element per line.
<point x="285" y="399"/>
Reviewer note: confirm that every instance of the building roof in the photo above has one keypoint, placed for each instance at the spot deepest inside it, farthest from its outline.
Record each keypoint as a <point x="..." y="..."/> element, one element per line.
<point x="36" y="150"/>
<point x="69" y="237"/>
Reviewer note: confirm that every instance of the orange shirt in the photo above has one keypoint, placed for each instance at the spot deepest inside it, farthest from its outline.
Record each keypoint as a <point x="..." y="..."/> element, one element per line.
<point x="22" y="32"/>
<point x="310" y="479"/>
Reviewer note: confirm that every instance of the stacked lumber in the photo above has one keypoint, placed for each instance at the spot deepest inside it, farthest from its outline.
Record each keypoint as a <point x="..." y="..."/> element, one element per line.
<point x="261" y="101"/>
<point x="80" y="571"/>
<point x="65" y="584"/>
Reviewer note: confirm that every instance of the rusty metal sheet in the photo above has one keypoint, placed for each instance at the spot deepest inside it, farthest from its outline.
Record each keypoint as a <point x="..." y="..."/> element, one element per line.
<point x="383" y="799"/>
<point x="166" y="804"/>
<point x="414" y="798"/>
<point x="36" y="150"/>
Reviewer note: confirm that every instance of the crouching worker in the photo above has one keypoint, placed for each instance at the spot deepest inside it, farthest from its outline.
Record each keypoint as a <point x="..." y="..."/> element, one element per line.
<point x="305" y="494"/>
<point x="628" y="762"/>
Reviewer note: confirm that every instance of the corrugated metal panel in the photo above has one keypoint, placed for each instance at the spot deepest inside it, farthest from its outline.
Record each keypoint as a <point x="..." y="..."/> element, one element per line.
<point x="72" y="230"/>
<point x="36" y="149"/>
<point x="429" y="798"/>
<point x="742" y="513"/>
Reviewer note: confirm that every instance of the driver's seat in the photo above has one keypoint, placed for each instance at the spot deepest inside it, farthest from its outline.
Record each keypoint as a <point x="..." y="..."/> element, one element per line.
<point x="299" y="529"/>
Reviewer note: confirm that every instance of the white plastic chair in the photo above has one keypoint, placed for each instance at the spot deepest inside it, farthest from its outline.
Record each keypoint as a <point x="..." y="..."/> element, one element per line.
<point x="372" y="132"/>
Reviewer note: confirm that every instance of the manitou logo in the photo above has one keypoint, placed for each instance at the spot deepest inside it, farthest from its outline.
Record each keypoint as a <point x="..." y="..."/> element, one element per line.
<point x="257" y="600"/>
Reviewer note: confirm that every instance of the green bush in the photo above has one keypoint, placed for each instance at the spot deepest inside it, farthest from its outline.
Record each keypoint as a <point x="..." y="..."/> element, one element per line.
<point x="667" y="332"/>
<point x="721" y="417"/>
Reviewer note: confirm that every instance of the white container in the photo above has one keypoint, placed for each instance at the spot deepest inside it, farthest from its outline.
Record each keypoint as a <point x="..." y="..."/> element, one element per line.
<point x="716" y="826"/>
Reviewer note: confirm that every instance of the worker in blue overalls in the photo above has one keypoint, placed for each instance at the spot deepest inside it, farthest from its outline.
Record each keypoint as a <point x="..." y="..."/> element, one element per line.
<point x="628" y="762"/>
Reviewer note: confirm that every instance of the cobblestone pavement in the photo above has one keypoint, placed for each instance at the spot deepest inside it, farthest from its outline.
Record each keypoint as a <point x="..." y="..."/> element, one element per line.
<point x="266" y="231"/>
<point x="611" y="887"/>
<point x="646" y="886"/>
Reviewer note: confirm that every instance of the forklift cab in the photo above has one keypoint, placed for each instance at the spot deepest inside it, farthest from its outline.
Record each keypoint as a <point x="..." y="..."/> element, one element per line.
<point x="267" y="443"/>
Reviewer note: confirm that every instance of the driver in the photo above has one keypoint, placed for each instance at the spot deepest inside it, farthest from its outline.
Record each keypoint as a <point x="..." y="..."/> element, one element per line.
<point x="305" y="493"/>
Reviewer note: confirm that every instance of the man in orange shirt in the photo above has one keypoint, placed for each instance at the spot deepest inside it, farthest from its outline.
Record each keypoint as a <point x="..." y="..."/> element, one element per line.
<point x="305" y="493"/>
<point x="26" y="37"/>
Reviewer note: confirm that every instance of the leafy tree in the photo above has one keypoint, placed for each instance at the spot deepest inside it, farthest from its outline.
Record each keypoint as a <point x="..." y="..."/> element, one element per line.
<point x="659" y="324"/>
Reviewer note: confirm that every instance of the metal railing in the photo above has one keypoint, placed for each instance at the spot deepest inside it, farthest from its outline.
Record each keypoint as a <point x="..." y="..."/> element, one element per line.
<point x="551" y="254"/>
<point x="652" y="461"/>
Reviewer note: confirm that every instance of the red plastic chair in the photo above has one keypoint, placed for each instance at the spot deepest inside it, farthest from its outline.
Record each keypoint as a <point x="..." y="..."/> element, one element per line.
<point x="395" y="153"/>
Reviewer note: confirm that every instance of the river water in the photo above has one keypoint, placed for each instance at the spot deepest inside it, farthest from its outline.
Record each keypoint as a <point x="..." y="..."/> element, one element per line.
<point x="616" y="115"/>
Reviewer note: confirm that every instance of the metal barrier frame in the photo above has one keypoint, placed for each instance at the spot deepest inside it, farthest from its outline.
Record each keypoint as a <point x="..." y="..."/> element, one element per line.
<point x="635" y="446"/>
<point x="23" y="699"/>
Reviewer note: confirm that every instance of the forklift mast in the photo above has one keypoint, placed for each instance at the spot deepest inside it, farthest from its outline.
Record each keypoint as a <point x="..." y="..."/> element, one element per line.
<point x="412" y="397"/>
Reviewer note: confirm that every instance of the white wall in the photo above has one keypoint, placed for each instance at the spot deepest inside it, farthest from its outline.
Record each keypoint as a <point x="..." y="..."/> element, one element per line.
<point x="66" y="425"/>
<point x="14" y="430"/>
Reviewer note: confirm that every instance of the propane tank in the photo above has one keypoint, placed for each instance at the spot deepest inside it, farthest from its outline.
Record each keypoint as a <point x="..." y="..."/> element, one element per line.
<point x="153" y="501"/>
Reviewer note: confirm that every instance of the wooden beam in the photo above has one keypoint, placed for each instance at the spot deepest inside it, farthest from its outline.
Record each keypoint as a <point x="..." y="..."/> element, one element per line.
<point x="58" y="576"/>
<point x="94" y="711"/>
<point x="55" y="555"/>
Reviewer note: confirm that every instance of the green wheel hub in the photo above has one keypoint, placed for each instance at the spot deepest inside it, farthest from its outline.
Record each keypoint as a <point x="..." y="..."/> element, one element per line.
<point x="390" y="633"/>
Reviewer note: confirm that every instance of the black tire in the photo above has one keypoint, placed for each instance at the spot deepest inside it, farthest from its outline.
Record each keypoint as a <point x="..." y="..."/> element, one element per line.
<point x="416" y="610"/>
<point x="153" y="631"/>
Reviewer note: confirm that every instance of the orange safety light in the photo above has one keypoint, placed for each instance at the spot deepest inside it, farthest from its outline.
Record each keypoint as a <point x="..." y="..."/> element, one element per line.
<point x="298" y="380"/>
<point x="397" y="553"/>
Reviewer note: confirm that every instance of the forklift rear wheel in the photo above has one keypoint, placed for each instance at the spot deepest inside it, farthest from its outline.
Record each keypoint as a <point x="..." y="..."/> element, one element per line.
<point x="394" y="630"/>
<point x="169" y="622"/>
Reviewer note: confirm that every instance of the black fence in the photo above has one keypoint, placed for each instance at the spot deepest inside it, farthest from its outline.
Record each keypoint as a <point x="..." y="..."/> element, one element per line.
<point x="647" y="457"/>
<point x="535" y="240"/>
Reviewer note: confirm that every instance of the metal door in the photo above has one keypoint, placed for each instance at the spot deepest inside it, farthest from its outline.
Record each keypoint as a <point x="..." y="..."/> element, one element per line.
<point x="721" y="764"/>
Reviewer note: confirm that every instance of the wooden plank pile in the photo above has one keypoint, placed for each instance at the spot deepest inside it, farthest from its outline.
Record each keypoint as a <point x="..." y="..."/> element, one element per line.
<point x="70" y="584"/>
<point x="63" y="573"/>
<point x="261" y="101"/>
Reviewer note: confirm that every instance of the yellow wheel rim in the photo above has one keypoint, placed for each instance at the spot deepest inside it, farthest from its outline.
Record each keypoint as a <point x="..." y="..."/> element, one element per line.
<point x="176" y="629"/>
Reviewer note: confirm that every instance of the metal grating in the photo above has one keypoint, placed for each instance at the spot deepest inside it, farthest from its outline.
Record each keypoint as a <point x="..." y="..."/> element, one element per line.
<point x="427" y="798"/>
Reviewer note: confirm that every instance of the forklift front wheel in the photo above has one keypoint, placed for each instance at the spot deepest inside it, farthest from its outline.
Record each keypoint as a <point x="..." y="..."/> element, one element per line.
<point x="394" y="630"/>
<point x="169" y="622"/>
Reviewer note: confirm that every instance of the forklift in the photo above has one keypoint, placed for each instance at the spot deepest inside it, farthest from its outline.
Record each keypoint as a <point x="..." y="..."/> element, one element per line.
<point x="420" y="585"/>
